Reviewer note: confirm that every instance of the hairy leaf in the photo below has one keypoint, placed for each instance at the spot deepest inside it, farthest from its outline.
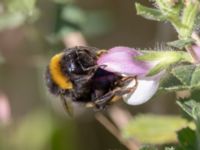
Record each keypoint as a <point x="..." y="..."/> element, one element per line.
<point x="188" y="19"/>
<point x="191" y="107"/>
<point x="187" y="139"/>
<point x="161" y="128"/>
<point x="182" y="77"/>
<point x="149" y="13"/>
<point x="171" y="83"/>
<point x="180" y="44"/>
<point x="188" y="75"/>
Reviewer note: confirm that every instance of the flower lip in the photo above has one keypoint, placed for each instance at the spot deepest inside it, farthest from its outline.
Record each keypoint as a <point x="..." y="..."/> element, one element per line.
<point x="121" y="60"/>
<point x="146" y="88"/>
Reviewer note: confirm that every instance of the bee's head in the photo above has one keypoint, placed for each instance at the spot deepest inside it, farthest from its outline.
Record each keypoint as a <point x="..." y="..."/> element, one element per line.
<point x="78" y="60"/>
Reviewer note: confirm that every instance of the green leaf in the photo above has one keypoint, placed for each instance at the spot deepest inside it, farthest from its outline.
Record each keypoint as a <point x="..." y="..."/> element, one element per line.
<point x="148" y="147"/>
<point x="63" y="1"/>
<point x="188" y="19"/>
<point x="172" y="12"/>
<point x="154" y="129"/>
<point x="23" y="6"/>
<point x="187" y="106"/>
<point x="34" y="131"/>
<point x="191" y="107"/>
<point x="180" y="44"/>
<point x="163" y="6"/>
<point x="17" y="12"/>
<point x="11" y="20"/>
<point x="195" y="94"/>
<point x="197" y="122"/>
<point x="93" y="25"/>
<point x="169" y="148"/>
<point x="190" y="139"/>
<point x="167" y="11"/>
<point x="149" y="13"/>
<point x="184" y="74"/>
<point x="182" y="77"/>
<point x="78" y="18"/>
<point x="188" y="75"/>
<point x="171" y="83"/>
<point x="171" y="8"/>
<point x="187" y="139"/>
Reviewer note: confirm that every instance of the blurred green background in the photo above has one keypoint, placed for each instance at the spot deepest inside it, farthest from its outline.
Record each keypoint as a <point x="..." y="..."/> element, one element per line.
<point x="31" y="32"/>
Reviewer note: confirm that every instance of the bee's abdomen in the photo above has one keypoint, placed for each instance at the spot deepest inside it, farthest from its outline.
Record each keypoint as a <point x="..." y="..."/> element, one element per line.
<point x="52" y="86"/>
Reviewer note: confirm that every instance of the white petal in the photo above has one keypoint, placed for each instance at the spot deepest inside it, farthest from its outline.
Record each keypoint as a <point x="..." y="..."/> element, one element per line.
<point x="146" y="88"/>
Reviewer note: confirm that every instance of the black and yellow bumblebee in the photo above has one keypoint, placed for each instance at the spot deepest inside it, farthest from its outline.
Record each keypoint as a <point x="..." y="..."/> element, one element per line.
<point x="75" y="76"/>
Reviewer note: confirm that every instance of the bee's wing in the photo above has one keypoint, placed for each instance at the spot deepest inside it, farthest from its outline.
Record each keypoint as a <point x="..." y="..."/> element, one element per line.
<point x="67" y="105"/>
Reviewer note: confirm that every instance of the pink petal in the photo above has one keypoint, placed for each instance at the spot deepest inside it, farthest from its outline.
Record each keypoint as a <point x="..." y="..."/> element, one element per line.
<point x="197" y="52"/>
<point x="121" y="60"/>
<point x="132" y="51"/>
<point x="5" y="111"/>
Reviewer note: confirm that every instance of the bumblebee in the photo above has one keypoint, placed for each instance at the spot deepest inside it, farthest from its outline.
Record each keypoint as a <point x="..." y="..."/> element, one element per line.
<point x="74" y="76"/>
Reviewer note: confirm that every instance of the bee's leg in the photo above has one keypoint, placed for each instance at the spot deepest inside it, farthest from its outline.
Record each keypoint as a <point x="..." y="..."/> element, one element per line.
<point x="101" y="102"/>
<point x="67" y="105"/>
<point x="94" y="68"/>
<point x="104" y="100"/>
<point x="126" y="80"/>
<point x="83" y="79"/>
<point x="122" y="91"/>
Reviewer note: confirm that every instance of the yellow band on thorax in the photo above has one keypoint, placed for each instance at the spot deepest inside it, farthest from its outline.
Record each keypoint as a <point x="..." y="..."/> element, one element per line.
<point x="57" y="76"/>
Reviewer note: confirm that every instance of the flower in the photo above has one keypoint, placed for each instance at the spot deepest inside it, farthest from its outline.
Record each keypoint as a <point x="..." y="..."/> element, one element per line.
<point x="5" y="110"/>
<point x="121" y="60"/>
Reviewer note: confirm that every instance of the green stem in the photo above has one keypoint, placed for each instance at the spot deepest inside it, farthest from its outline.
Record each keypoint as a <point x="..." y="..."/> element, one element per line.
<point x="197" y="122"/>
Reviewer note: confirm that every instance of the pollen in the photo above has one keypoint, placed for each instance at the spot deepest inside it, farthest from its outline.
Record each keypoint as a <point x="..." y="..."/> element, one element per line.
<point x="57" y="76"/>
<point x="100" y="52"/>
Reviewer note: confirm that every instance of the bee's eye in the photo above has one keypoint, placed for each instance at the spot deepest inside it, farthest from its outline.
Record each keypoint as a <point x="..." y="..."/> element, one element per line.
<point x="69" y="65"/>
